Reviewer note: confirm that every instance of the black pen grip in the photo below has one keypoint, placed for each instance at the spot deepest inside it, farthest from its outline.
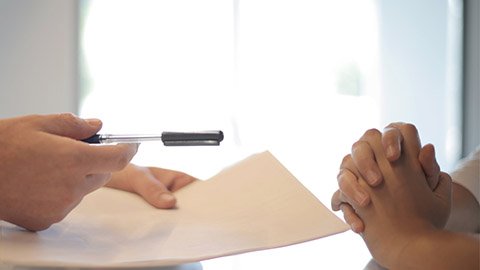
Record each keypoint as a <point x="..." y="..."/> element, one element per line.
<point x="213" y="137"/>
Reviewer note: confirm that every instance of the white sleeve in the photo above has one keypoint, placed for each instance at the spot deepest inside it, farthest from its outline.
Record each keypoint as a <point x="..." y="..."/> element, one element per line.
<point x="467" y="173"/>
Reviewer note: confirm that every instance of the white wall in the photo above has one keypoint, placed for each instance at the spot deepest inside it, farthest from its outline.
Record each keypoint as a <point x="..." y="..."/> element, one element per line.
<point x="38" y="56"/>
<point x="420" y="62"/>
<point x="38" y="62"/>
<point x="471" y="77"/>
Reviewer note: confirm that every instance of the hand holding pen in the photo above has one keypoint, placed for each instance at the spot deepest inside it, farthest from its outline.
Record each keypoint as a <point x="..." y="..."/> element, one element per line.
<point x="46" y="169"/>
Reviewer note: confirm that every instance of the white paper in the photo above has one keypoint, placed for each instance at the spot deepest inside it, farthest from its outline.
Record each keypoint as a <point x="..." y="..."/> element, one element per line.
<point x="253" y="205"/>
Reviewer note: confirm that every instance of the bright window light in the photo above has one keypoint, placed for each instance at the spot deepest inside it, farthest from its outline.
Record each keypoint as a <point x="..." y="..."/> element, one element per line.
<point x="300" y="78"/>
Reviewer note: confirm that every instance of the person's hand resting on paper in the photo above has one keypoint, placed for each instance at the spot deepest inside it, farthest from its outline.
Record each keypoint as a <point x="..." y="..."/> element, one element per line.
<point x="404" y="218"/>
<point x="45" y="170"/>
<point x="153" y="184"/>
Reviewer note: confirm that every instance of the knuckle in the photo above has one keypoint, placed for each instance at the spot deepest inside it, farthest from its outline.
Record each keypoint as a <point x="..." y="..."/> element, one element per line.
<point x="344" y="182"/>
<point x="340" y="177"/>
<point x="67" y="116"/>
<point x="343" y="174"/>
<point x="391" y="134"/>
<point x="361" y="156"/>
<point x="395" y="124"/>
<point x="335" y="201"/>
<point x="345" y="160"/>
<point x="373" y="132"/>
<point x="70" y="119"/>
<point x="409" y="128"/>
<point x="359" y="146"/>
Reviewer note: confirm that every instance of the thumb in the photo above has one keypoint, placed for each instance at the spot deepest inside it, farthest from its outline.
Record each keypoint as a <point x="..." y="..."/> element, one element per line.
<point x="69" y="125"/>
<point x="153" y="191"/>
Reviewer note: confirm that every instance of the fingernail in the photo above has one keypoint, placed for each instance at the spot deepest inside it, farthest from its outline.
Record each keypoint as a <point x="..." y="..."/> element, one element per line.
<point x="390" y="151"/>
<point x="94" y="122"/>
<point x="166" y="197"/>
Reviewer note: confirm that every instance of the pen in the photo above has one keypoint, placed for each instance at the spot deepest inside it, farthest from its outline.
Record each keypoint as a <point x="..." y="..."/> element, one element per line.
<point x="212" y="137"/>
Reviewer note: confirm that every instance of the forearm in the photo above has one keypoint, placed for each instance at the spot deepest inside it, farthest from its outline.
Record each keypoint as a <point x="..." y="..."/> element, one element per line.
<point x="440" y="249"/>
<point x="465" y="213"/>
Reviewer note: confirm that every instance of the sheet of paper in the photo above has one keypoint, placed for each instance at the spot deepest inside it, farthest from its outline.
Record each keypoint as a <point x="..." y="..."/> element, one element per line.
<point x="255" y="204"/>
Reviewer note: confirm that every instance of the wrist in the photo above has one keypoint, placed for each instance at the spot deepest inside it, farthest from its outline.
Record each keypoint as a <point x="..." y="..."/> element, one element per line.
<point x="410" y="245"/>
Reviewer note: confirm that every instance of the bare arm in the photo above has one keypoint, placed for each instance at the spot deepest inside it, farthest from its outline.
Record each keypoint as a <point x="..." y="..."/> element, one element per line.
<point x="465" y="213"/>
<point x="440" y="249"/>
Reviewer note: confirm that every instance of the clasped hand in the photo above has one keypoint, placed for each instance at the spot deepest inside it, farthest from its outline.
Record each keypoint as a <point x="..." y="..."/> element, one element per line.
<point x="392" y="190"/>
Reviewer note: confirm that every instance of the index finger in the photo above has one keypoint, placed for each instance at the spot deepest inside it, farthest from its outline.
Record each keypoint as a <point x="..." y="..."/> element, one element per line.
<point x="109" y="158"/>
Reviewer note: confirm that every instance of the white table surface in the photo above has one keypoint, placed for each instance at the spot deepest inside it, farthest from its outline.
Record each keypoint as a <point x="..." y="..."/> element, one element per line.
<point x="342" y="251"/>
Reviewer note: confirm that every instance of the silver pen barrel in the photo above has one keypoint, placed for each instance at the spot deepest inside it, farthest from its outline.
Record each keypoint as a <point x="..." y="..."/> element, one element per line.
<point x="128" y="138"/>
